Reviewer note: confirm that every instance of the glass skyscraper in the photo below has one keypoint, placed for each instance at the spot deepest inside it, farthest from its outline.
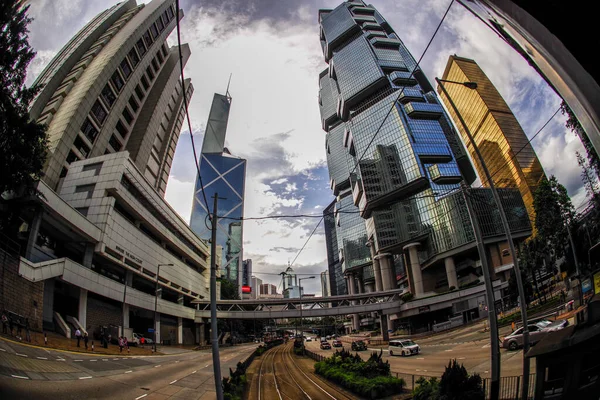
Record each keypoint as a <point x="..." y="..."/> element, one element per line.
<point x="395" y="164"/>
<point x="225" y="175"/>
<point x="503" y="144"/>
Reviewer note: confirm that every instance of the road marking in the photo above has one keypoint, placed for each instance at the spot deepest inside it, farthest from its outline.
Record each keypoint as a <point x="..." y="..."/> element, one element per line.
<point x="156" y="366"/>
<point x="418" y="370"/>
<point x="461" y="358"/>
<point x="128" y="372"/>
<point x="448" y="350"/>
<point x="176" y="361"/>
<point x="22" y="355"/>
<point x="173" y="382"/>
<point x="206" y="365"/>
<point x="60" y="359"/>
<point x="77" y="360"/>
<point x="105" y="359"/>
<point x="2" y="349"/>
<point x="85" y="377"/>
<point x="484" y="346"/>
<point x="194" y="372"/>
<point x="20" y="377"/>
<point x="486" y="372"/>
<point x="42" y="358"/>
<point x="420" y="358"/>
<point x="424" y="370"/>
<point x="115" y="359"/>
<point x="139" y="397"/>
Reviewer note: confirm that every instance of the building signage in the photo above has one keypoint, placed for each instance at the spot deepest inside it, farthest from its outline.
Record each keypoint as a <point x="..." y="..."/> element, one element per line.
<point x="246" y="289"/>
<point x="423" y="309"/>
<point x="129" y="255"/>
<point x="597" y="283"/>
<point x="586" y="285"/>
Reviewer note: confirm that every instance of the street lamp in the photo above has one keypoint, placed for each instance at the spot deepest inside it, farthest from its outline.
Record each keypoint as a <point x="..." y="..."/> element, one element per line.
<point x="156" y="290"/>
<point x="301" y="307"/>
<point x="495" y="383"/>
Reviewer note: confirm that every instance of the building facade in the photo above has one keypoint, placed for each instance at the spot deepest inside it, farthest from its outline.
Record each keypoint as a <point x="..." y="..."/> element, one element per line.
<point x="267" y="288"/>
<point x="247" y="279"/>
<point x="395" y="164"/>
<point x="256" y="284"/>
<point x="225" y="175"/>
<point x="509" y="156"/>
<point x="325" y="284"/>
<point x="337" y="281"/>
<point x="101" y="237"/>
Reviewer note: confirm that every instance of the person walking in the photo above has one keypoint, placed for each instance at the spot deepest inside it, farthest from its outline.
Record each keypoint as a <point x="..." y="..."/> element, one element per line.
<point x="121" y="344"/>
<point x="78" y="336"/>
<point x="513" y="326"/>
<point x="4" y="323"/>
<point x="126" y="344"/>
<point x="85" y="340"/>
<point x="27" y="330"/>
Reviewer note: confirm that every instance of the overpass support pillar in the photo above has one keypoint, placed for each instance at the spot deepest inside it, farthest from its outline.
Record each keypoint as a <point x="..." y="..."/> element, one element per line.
<point x="386" y="267"/>
<point x="415" y="276"/>
<point x="451" y="272"/>
<point x="352" y="291"/>
<point x="82" y="315"/>
<point x="376" y="266"/>
<point x="384" y="327"/>
<point x="179" y="330"/>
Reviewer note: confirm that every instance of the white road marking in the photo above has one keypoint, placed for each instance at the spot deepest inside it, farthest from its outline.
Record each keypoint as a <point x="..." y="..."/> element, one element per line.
<point x="156" y="366"/>
<point x="448" y="350"/>
<point x="2" y="349"/>
<point x="128" y="372"/>
<point x="461" y="358"/>
<point x="42" y="358"/>
<point x="176" y="361"/>
<point x="420" y="358"/>
<point x="486" y="372"/>
<point x="60" y="359"/>
<point x="139" y="397"/>
<point x="484" y="346"/>
<point x="85" y="377"/>
<point x="22" y="355"/>
<point x="173" y="382"/>
<point x="93" y="360"/>
<point x="20" y="377"/>
<point x="418" y="370"/>
<point x="194" y="372"/>
<point x="105" y="359"/>
<point x="78" y="360"/>
<point x="206" y="365"/>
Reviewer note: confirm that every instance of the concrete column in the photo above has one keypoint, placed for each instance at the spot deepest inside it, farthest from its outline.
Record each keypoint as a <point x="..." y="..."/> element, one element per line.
<point x="34" y="229"/>
<point x="451" y="272"/>
<point x="352" y="291"/>
<point x="200" y="334"/>
<point x="376" y="266"/>
<point x="369" y="287"/>
<point x="129" y="278"/>
<point x="359" y="284"/>
<point x="180" y="299"/>
<point x="82" y="316"/>
<point x="179" y="330"/>
<point x="157" y="329"/>
<point x="416" y="282"/>
<point x="388" y="276"/>
<point x="88" y="255"/>
<point x="384" y="327"/>
<point x="125" y="316"/>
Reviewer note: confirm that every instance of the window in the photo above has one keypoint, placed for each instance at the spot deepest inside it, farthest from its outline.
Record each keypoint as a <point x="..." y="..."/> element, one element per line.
<point x="147" y="38"/>
<point x="166" y="17"/>
<point x="72" y="157"/>
<point x="170" y="12"/>
<point x="145" y="83"/>
<point x="125" y="68"/>
<point x="117" y="81"/>
<point x="164" y="50"/>
<point x="133" y="104"/>
<point x="108" y="96"/>
<point x="160" y="24"/>
<point x="154" y="31"/>
<point x="89" y="130"/>
<point x="82" y="210"/>
<point x="121" y="129"/>
<point x="141" y="47"/>
<point x="99" y="112"/>
<point x="114" y="143"/>
<point x="133" y="56"/>
<point x="155" y="66"/>
<point x="150" y="73"/>
<point x="160" y="57"/>
<point x="89" y="189"/>
<point x="138" y="91"/>
<point x="81" y="146"/>
<point x="127" y="115"/>
<point x="93" y="167"/>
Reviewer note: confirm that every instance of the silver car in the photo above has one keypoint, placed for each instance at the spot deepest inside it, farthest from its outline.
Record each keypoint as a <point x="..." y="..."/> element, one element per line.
<point x="537" y="332"/>
<point x="403" y="347"/>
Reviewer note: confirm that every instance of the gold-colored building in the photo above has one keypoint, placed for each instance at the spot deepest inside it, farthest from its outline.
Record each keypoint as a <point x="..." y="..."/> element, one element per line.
<point x="509" y="156"/>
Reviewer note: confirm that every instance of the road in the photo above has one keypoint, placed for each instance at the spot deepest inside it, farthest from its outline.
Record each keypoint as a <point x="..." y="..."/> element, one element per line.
<point x="278" y="374"/>
<point x="35" y="373"/>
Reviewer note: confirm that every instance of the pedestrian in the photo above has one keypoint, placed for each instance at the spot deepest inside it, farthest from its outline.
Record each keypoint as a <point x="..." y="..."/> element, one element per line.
<point x="19" y="328"/>
<point x="85" y="340"/>
<point x="120" y="344"/>
<point x="4" y="323"/>
<point x="78" y="336"/>
<point x="126" y="344"/>
<point x="142" y="341"/>
<point x="27" y="330"/>
<point x="513" y="326"/>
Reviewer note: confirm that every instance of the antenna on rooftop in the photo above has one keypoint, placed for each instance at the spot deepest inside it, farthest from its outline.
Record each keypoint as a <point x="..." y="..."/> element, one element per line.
<point x="227" y="91"/>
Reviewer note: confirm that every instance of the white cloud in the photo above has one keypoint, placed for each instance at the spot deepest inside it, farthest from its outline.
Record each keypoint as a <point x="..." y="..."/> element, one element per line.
<point x="180" y="196"/>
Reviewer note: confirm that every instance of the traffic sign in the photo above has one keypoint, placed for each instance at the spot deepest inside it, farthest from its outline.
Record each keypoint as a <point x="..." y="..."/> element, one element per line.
<point x="150" y="330"/>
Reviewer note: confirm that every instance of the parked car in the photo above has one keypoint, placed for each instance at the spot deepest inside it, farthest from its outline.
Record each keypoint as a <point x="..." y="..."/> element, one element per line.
<point x="323" y="339"/>
<point x="325" y="345"/>
<point x="308" y="339"/>
<point x="405" y="347"/>
<point x="328" y="337"/>
<point x="358" y="345"/>
<point x="337" y="343"/>
<point x="552" y="325"/>
<point x="515" y="339"/>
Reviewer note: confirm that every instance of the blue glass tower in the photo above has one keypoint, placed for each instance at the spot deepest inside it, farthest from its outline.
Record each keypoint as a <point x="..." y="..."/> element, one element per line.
<point x="224" y="174"/>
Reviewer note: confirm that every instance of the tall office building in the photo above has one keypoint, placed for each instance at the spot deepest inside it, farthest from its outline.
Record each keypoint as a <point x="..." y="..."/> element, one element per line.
<point x="337" y="281"/>
<point x="101" y="237"/>
<point x="503" y="144"/>
<point x="256" y="284"/>
<point x="247" y="279"/>
<point x="115" y="86"/>
<point x="325" y="284"/>
<point x="399" y="213"/>
<point x="225" y="175"/>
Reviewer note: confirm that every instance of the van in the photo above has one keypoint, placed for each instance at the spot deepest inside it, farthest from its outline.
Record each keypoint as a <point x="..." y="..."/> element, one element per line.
<point x="403" y="347"/>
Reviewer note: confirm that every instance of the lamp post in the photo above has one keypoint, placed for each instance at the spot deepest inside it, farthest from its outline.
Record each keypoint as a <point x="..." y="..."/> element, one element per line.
<point x="495" y="383"/>
<point x="156" y="290"/>
<point x="301" y="307"/>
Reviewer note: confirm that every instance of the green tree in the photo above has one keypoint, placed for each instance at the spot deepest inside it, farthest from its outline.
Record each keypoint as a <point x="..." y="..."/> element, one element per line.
<point x="573" y="124"/>
<point x="554" y="213"/>
<point x="589" y="178"/>
<point x="455" y="384"/>
<point x="23" y="142"/>
<point x="229" y="290"/>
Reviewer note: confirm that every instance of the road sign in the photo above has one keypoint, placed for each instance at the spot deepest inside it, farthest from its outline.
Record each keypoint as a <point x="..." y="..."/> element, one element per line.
<point x="150" y="330"/>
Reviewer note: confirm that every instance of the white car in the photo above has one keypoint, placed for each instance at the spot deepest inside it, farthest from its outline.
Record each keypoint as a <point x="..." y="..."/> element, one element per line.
<point x="403" y="347"/>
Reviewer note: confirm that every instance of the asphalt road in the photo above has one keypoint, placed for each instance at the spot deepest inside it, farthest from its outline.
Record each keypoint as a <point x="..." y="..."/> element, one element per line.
<point x="34" y="373"/>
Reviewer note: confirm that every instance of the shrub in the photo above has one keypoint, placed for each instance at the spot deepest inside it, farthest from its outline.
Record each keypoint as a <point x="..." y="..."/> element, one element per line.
<point x="406" y="297"/>
<point x="233" y="387"/>
<point x="456" y="384"/>
<point x="427" y="389"/>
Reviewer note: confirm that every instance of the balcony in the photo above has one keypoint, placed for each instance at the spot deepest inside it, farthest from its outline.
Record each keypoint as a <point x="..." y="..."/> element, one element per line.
<point x="385" y="42"/>
<point x="444" y="174"/>
<point x="432" y="153"/>
<point x="409" y="95"/>
<point x="403" y="78"/>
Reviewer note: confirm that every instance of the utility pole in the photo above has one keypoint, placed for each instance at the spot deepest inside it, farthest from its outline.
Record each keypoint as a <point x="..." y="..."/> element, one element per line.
<point x="213" y="303"/>
<point x="489" y="291"/>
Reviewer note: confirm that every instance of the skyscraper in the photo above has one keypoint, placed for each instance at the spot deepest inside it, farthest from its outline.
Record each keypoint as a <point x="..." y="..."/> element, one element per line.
<point x="337" y="282"/>
<point x="395" y="164"/>
<point x="325" y="284"/>
<point x="225" y="175"/>
<point x="101" y="238"/>
<point x="115" y="86"/>
<point x="504" y="146"/>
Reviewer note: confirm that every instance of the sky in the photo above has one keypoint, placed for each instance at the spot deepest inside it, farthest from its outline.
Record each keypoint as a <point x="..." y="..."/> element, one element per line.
<point x="271" y="50"/>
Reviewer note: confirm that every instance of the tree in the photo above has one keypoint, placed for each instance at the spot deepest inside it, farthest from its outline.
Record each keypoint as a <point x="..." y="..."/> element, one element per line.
<point x="23" y="142"/>
<point x="554" y="214"/>
<point x="575" y="127"/>
<point x="455" y="384"/>
<point x="589" y="178"/>
<point x="229" y="290"/>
